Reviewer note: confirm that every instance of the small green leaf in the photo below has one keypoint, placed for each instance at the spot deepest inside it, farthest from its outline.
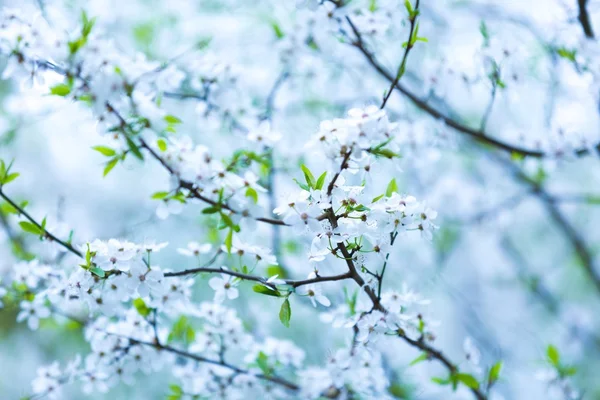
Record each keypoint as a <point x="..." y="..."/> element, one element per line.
<point x="277" y="29"/>
<point x="162" y="144"/>
<point x="134" y="148"/>
<point x="30" y="228"/>
<point x="285" y="313"/>
<point x="141" y="307"/>
<point x="392" y="188"/>
<point x="251" y="192"/>
<point x="553" y="355"/>
<point x="10" y="177"/>
<point x="211" y="210"/>
<point x="106" y="151"/>
<point x="494" y="373"/>
<point x="310" y="179"/>
<point x="321" y="181"/>
<point x="98" y="272"/>
<point x="171" y="119"/>
<point x="263" y="363"/>
<point x="440" y="381"/>
<point x="266" y="291"/>
<point x="60" y="90"/>
<point x="160" y="195"/>
<point x="422" y="357"/>
<point x="110" y="165"/>
<point x="468" y="379"/>
<point x="229" y="241"/>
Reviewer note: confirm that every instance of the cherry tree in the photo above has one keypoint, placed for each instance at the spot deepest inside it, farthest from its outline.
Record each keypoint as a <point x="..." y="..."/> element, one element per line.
<point x="342" y="199"/>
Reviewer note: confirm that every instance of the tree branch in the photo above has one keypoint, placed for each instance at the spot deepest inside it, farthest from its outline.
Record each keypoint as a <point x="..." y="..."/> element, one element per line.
<point x="47" y="234"/>
<point x="409" y="45"/>
<point x="474" y="134"/>
<point x="584" y="19"/>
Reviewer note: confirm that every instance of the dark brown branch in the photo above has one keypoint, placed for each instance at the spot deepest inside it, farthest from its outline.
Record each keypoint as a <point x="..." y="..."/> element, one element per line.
<point x="584" y="19"/>
<point x="260" y="279"/>
<point x="271" y="378"/>
<point x="409" y="45"/>
<point x="46" y="234"/>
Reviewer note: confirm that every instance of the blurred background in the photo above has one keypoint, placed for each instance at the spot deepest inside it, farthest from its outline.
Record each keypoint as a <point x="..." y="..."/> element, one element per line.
<point x="508" y="264"/>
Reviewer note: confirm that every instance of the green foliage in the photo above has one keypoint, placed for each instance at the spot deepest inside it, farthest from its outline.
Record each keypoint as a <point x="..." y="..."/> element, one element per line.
<point x="141" y="307"/>
<point x="176" y="392"/>
<point x="105" y="151"/>
<point x="31" y="228"/>
<point x="392" y="188"/>
<point x="285" y="313"/>
<point x="494" y="373"/>
<point x="262" y="289"/>
<point x="61" y="89"/>
<point x="162" y="144"/>
<point x="422" y="357"/>
<point x="182" y="331"/>
<point x="5" y="175"/>
<point x="277" y="30"/>
<point x="567" y="54"/>
<point x="483" y="29"/>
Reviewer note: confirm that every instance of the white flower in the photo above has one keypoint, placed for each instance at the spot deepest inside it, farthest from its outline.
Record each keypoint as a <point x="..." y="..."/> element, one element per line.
<point x="33" y="311"/>
<point x="263" y="135"/>
<point x="146" y="280"/>
<point x="152" y="246"/>
<point x="370" y="326"/>
<point x="225" y="286"/>
<point x="314" y="294"/>
<point x="194" y="249"/>
<point x="168" y="207"/>
<point x="114" y="254"/>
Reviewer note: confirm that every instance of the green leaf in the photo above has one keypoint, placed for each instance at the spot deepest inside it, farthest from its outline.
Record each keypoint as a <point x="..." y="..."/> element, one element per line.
<point x="211" y="210"/>
<point x="176" y="392"/>
<point x="494" y="373"/>
<point x="262" y="360"/>
<point x="171" y="119"/>
<point x="387" y="153"/>
<point x="567" y="54"/>
<point x="409" y="8"/>
<point x="110" y="165"/>
<point x="483" y="29"/>
<point x="229" y="241"/>
<point x="468" y="379"/>
<point x="440" y="381"/>
<point x="60" y="90"/>
<point x="308" y="176"/>
<point x="422" y="357"/>
<point x="31" y="228"/>
<point x="266" y="290"/>
<point x="251" y="192"/>
<point x="277" y="29"/>
<point x="553" y="355"/>
<point x="182" y="331"/>
<point x="285" y="313"/>
<point x="134" y="148"/>
<point x="160" y="195"/>
<point x="321" y="181"/>
<point x="392" y="187"/>
<point x="141" y="307"/>
<point x="10" y="177"/>
<point x="98" y="272"/>
<point x="162" y="144"/>
<point x="106" y="151"/>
